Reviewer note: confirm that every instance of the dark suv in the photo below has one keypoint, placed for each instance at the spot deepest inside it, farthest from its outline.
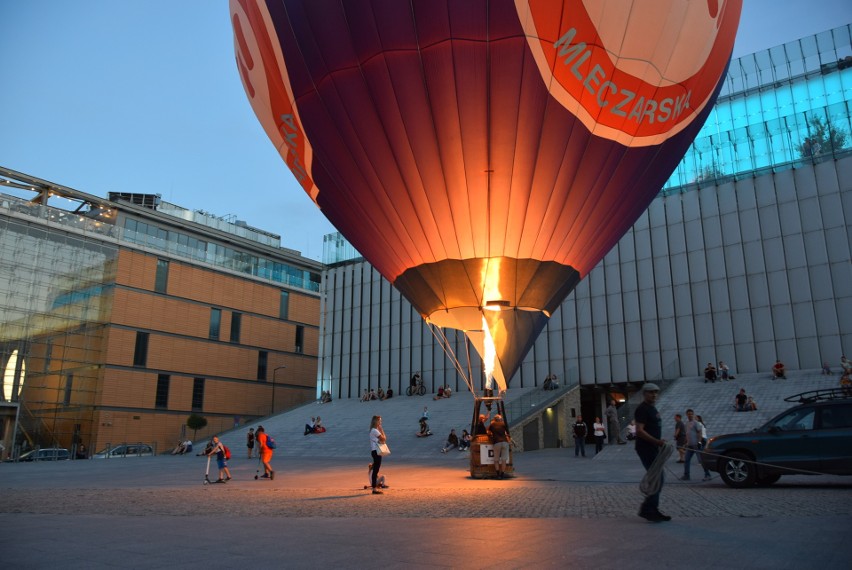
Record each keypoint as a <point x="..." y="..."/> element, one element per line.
<point x="812" y="438"/>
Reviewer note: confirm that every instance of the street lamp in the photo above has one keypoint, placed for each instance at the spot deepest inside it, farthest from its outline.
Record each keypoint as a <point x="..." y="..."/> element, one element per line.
<point x="274" y="372"/>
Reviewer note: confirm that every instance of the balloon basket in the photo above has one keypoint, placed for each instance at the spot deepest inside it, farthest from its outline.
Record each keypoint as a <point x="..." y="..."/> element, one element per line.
<point x="481" y="449"/>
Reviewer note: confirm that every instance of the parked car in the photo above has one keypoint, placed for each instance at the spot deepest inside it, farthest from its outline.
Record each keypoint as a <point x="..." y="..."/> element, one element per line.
<point x="125" y="450"/>
<point x="812" y="438"/>
<point x="46" y="454"/>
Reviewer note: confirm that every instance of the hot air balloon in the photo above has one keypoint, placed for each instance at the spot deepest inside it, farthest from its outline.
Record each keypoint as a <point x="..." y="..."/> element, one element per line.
<point x="483" y="155"/>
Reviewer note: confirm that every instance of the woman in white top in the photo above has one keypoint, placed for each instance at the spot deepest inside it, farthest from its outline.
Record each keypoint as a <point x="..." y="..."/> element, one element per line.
<point x="377" y="436"/>
<point x="702" y="444"/>
<point x="600" y="434"/>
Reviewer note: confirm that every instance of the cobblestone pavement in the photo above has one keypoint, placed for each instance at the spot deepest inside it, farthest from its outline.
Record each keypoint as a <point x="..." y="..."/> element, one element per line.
<point x="551" y="501"/>
<point x="558" y="512"/>
<point x="549" y="484"/>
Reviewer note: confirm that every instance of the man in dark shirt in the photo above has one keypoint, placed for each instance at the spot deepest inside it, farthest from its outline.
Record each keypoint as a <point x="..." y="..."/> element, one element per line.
<point x="500" y="437"/>
<point x="740" y="400"/>
<point x="580" y="431"/>
<point x="649" y="432"/>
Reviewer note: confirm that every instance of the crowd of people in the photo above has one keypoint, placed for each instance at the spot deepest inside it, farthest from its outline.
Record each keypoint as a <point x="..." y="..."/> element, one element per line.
<point x="373" y="394"/>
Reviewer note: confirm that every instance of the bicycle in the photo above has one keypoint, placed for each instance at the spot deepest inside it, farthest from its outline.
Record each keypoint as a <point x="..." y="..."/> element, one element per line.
<point x="417" y="388"/>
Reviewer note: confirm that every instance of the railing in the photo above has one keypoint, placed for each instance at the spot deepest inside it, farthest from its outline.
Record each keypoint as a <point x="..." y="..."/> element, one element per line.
<point x="533" y="402"/>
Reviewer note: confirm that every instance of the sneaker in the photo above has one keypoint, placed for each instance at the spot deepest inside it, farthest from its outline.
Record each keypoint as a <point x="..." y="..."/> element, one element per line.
<point x="227" y="478"/>
<point x="377" y="492"/>
<point x="684" y="478"/>
<point x="707" y="478"/>
<point x="265" y="476"/>
<point x="272" y="474"/>
<point x="650" y="517"/>
<point x="662" y="517"/>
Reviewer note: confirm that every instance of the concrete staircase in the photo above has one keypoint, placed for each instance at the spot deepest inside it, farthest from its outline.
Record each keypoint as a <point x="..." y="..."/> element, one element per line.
<point x="714" y="402"/>
<point x="348" y="425"/>
<point x="348" y="421"/>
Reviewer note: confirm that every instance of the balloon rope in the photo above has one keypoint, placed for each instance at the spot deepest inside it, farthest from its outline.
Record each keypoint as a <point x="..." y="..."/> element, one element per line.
<point x="469" y="367"/>
<point x="444" y="343"/>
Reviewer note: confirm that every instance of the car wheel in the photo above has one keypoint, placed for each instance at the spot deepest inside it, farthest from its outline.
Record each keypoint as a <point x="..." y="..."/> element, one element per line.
<point x="737" y="470"/>
<point x="767" y="480"/>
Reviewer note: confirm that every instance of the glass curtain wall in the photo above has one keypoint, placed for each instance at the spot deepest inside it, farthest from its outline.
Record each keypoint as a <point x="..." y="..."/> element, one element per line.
<point x="778" y="107"/>
<point x="53" y="312"/>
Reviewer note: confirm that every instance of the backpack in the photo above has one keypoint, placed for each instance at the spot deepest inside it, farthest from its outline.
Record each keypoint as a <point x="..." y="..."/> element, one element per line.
<point x="270" y="443"/>
<point x="226" y="451"/>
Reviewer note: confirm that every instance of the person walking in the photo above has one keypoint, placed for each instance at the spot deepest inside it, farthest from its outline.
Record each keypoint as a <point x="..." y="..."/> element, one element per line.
<point x="702" y="444"/>
<point x="580" y="431"/>
<point x="377" y="436"/>
<point x="250" y="442"/>
<point x="600" y="434"/>
<point x="265" y="453"/>
<point x="694" y="435"/>
<point x="500" y="438"/>
<point x="219" y="450"/>
<point x="649" y="432"/>
<point x="614" y="425"/>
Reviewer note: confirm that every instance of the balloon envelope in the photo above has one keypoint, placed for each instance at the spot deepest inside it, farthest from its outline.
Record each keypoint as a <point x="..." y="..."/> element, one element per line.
<point x="483" y="155"/>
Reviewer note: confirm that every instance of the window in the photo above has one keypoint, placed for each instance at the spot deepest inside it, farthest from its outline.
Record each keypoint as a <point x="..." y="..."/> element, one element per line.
<point x="797" y="420"/>
<point x="215" y="322"/>
<point x="300" y="338"/>
<point x="236" y="320"/>
<point x="140" y="353"/>
<point x="162" y="278"/>
<point x="161" y="399"/>
<point x="262" y="357"/>
<point x="284" y="309"/>
<point x="69" y="380"/>
<point x="197" y="394"/>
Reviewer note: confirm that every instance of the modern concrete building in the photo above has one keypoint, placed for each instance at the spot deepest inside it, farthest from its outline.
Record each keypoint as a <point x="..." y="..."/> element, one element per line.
<point x="119" y="318"/>
<point x="744" y="256"/>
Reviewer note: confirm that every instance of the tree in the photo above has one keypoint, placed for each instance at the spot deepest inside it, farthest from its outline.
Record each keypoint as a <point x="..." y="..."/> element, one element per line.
<point x="195" y="423"/>
<point x="709" y="173"/>
<point x="823" y="138"/>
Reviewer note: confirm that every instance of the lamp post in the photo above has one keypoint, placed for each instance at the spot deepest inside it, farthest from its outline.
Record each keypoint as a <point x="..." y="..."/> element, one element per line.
<point x="272" y="406"/>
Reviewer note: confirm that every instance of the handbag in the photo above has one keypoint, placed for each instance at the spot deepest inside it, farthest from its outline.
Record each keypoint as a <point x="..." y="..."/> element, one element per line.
<point x="382" y="449"/>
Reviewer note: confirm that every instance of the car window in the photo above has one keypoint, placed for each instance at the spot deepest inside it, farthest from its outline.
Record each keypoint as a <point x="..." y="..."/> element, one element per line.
<point x="796" y="420"/>
<point x="836" y="416"/>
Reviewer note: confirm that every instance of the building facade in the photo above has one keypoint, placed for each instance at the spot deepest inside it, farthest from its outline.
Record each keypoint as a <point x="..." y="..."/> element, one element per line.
<point x="120" y="318"/>
<point x="744" y="256"/>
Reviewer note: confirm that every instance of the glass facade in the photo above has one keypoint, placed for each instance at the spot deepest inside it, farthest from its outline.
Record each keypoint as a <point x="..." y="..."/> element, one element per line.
<point x="777" y="107"/>
<point x="179" y="244"/>
<point x="184" y="245"/>
<point x="55" y="297"/>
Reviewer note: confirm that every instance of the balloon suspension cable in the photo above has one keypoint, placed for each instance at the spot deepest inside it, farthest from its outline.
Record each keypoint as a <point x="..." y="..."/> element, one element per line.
<point x="444" y="343"/>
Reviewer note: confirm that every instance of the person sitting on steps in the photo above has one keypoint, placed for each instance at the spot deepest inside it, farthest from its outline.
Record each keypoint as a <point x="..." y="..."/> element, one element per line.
<point x="424" y="428"/>
<point x="779" y="370"/>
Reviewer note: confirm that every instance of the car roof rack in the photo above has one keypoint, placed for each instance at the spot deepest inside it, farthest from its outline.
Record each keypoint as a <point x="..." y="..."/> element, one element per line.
<point x="820" y="395"/>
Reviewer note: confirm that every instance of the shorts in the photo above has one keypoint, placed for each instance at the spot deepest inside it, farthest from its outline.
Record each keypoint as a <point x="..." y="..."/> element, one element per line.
<point x="221" y="463"/>
<point x="501" y="452"/>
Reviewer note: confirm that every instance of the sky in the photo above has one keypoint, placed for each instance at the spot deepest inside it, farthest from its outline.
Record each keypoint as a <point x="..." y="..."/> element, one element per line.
<point x="144" y="97"/>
